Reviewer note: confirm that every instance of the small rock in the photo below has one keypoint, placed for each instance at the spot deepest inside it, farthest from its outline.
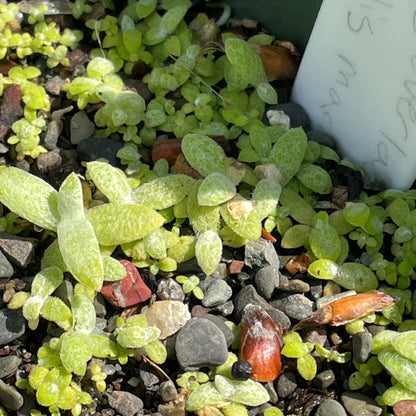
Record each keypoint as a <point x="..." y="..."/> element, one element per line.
<point x="171" y="409"/>
<point x="217" y="293"/>
<point x="261" y="253"/>
<point x="170" y="289"/>
<point x="125" y="403"/>
<point x="8" y="365"/>
<point x="316" y="290"/>
<point x="357" y="404"/>
<point x="167" y="391"/>
<point x="219" y="321"/>
<point x="321" y="138"/>
<point x="286" y="384"/>
<point x="317" y="336"/>
<point x="19" y="250"/>
<point x="362" y="344"/>
<point x="324" y="379"/>
<point x="295" y="285"/>
<point x="3" y="148"/>
<point x="331" y="288"/>
<point x="10" y="398"/>
<point x="199" y="343"/>
<point x="28" y="405"/>
<point x="296" y="113"/>
<point x="405" y="408"/>
<point x="95" y="148"/>
<point x="149" y="377"/>
<point x="6" y="269"/>
<point x="220" y="272"/>
<point x="54" y="85"/>
<point x="47" y="160"/>
<point x="168" y="315"/>
<point x="12" y="325"/>
<point x="225" y="308"/>
<point x="325" y="300"/>
<point x="52" y="134"/>
<point x="330" y="407"/>
<point x="81" y="127"/>
<point x="267" y="279"/>
<point x="295" y="306"/>
<point x="236" y="266"/>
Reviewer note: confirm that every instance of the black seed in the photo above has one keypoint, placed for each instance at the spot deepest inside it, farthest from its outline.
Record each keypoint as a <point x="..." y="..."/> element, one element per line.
<point x="241" y="370"/>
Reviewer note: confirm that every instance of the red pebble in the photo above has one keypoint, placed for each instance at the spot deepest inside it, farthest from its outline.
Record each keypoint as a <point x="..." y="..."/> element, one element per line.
<point x="128" y="291"/>
<point x="405" y="408"/>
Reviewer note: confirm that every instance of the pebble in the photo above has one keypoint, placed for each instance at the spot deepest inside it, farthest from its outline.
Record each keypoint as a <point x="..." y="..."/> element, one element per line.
<point x="3" y="149"/>
<point x="261" y="253"/>
<point x="295" y="285"/>
<point x="286" y="384"/>
<point x="8" y="365"/>
<point x="47" y="160"/>
<point x="6" y="269"/>
<point x="199" y="343"/>
<point x="12" y="325"/>
<point x="220" y="322"/>
<point x="316" y="290"/>
<point x="225" y="308"/>
<point x="362" y="344"/>
<point x="330" y="407"/>
<point x="95" y="148"/>
<point x="28" y="405"/>
<point x="53" y="85"/>
<point x="168" y="315"/>
<point x="267" y="279"/>
<point x="10" y="398"/>
<point x="405" y="408"/>
<point x="52" y="134"/>
<point x="167" y="391"/>
<point x="321" y="138"/>
<point x="296" y="113"/>
<point x="357" y="404"/>
<point x="317" y="336"/>
<point x="170" y="289"/>
<point x="171" y="409"/>
<point x="19" y="250"/>
<point x="324" y="379"/>
<point x="217" y="293"/>
<point x="325" y="300"/>
<point x="149" y="377"/>
<point x="125" y="403"/>
<point x="295" y="306"/>
<point x="81" y="127"/>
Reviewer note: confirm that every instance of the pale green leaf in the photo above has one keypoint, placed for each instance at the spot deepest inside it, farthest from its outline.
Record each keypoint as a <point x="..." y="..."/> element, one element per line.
<point x="145" y="7"/>
<point x="296" y="236"/>
<point x="205" y="395"/>
<point x="70" y="199"/>
<point x="260" y="140"/>
<point x="215" y="189"/>
<point x="155" y="244"/>
<point x="324" y="242"/>
<point x="356" y="276"/>
<point x="76" y="351"/>
<point x="113" y="269"/>
<point x="405" y="343"/>
<point x="265" y="196"/>
<point x="299" y="208"/>
<point x="356" y="213"/>
<point x="395" y="393"/>
<point x="323" y="269"/>
<point x="83" y="313"/>
<point x="266" y="92"/>
<point x="383" y="340"/>
<point x="32" y="307"/>
<point x="315" y="178"/>
<point x="136" y="336"/>
<point x="156" y="351"/>
<point x="172" y="18"/>
<point x="55" y="310"/>
<point x="208" y="251"/>
<point x="53" y="257"/>
<point x="307" y="366"/>
<point x="47" y="281"/>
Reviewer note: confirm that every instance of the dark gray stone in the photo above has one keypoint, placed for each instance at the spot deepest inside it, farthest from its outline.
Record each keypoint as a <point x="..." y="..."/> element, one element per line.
<point x="357" y="404"/>
<point x="321" y="138"/>
<point x="6" y="269"/>
<point x="219" y="321"/>
<point x="10" y="398"/>
<point x="286" y="384"/>
<point x="167" y="391"/>
<point x="330" y="407"/>
<point x="362" y="343"/>
<point x="95" y="148"/>
<point x="28" y="405"/>
<point x="19" y="250"/>
<point x="324" y="379"/>
<point x="261" y="253"/>
<point x="81" y="127"/>
<point x="199" y="343"/>
<point x="295" y="306"/>
<point x="149" y="376"/>
<point x="12" y="325"/>
<point x="52" y="134"/>
<point x="217" y="293"/>
<point x="170" y="289"/>
<point x="296" y="113"/>
<point x="316" y="290"/>
<point x="125" y="403"/>
<point x="267" y="279"/>
<point x="8" y="365"/>
<point x="225" y="308"/>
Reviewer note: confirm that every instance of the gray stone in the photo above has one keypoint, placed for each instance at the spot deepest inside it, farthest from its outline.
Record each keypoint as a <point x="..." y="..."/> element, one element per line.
<point x="315" y="335"/>
<point x="94" y="148"/>
<point x="328" y="299"/>
<point x="149" y="377"/>
<point x="286" y="384"/>
<point x="267" y="279"/>
<point x="10" y="398"/>
<point x="296" y="113"/>
<point x="125" y="403"/>
<point x="225" y="308"/>
<point x="357" y="404"/>
<point x="12" y="325"/>
<point x="321" y="138"/>
<point x="8" y="365"/>
<point x="170" y="289"/>
<point x="324" y="379"/>
<point x="167" y="391"/>
<point x="48" y="160"/>
<point x="295" y="285"/>
<point x="217" y="293"/>
<point x="316" y="290"/>
<point x="261" y="253"/>
<point x="19" y="250"/>
<point x="330" y="407"/>
<point x="81" y="127"/>
<point x="28" y="405"/>
<point x="199" y="343"/>
<point x="220" y="322"/>
<point x="3" y="148"/>
<point x="362" y="343"/>
<point x="6" y="269"/>
<point x="52" y="134"/>
<point x="295" y="306"/>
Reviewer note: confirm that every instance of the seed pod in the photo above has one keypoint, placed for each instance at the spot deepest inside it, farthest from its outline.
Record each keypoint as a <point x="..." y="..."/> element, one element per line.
<point x="260" y="343"/>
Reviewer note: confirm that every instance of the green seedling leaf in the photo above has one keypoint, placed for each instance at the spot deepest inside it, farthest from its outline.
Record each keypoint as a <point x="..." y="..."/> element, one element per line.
<point x="266" y="92"/>
<point x="155" y="244"/>
<point x="405" y="343"/>
<point x="136" y="336"/>
<point x="83" y="313"/>
<point x="402" y="369"/>
<point x="324" y="269"/>
<point x="113" y="269"/>
<point x="47" y="281"/>
<point x="205" y="395"/>
<point x="299" y="209"/>
<point x="324" y="242"/>
<point x="103" y="347"/>
<point x="288" y="152"/>
<point x="398" y="210"/>
<point x="76" y="351"/>
<point x="121" y="223"/>
<point x="80" y="251"/>
<point x="208" y="251"/>
<point x="184" y="250"/>
<point x="337" y="220"/>
<point x="32" y="307"/>
<point x="296" y="236"/>
<point x="306" y="366"/>
<point x="145" y="7"/>
<point x="314" y="178"/>
<point x="156" y="351"/>
<point x="53" y="257"/>
<point x="395" y="393"/>
<point x="172" y="18"/>
<point x="260" y="140"/>
<point x="163" y="192"/>
<point x="55" y="310"/>
<point x="204" y="154"/>
<point x="215" y="189"/>
<point x="356" y="213"/>
<point x="265" y="196"/>
<point x="356" y="276"/>
<point x="112" y="182"/>
<point x="29" y="197"/>
<point x="70" y="199"/>
<point x="48" y="356"/>
<point x="294" y="349"/>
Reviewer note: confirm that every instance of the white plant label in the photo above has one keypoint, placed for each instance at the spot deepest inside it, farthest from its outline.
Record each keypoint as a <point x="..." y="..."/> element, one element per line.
<point x="357" y="81"/>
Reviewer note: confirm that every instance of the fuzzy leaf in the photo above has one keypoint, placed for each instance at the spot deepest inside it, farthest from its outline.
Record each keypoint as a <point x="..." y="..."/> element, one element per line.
<point x="55" y="310"/>
<point x="136" y="336"/>
<point x="29" y="197"/>
<point x="260" y="140"/>
<point x="112" y="182"/>
<point x="356" y="276"/>
<point x="70" y="199"/>
<point x="47" y="281"/>
<point x="296" y="236"/>
<point x="163" y="192"/>
<point x="300" y="209"/>
<point x="324" y="241"/>
<point x="314" y="178"/>
<point x="155" y="244"/>
<point x="266" y="195"/>
<point x="204" y="395"/>
<point x="397" y="392"/>
<point x="113" y="269"/>
<point x="323" y="269"/>
<point x="208" y="251"/>
<point x="83" y="313"/>
<point x="156" y="351"/>
<point x="405" y="343"/>
<point x="266" y="92"/>
<point x="76" y="351"/>
<point x="172" y="18"/>
<point x="32" y="307"/>
<point x="215" y="189"/>
<point x="121" y="223"/>
<point x="306" y="366"/>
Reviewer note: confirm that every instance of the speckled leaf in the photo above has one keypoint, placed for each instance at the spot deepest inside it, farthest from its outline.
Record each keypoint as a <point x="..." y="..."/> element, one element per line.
<point x="70" y="199"/>
<point x="113" y="269"/>
<point x="184" y="250"/>
<point x="155" y="244"/>
<point x="295" y="349"/>
<point x="300" y="209"/>
<point x="172" y="18"/>
<point x="260" y="140"/>
<point x="204" y="395"/>
<point x="80" y="251"/>
<point x="405" y="343"/>
<point x="288" y="152"/>
<point x="208" y="251"/>
<point x="397" y="392"/>
<point x="266" y="195"/>
<point x="136" y="336"/>
<point x="32" y="307"/>
<point x="204" y="154"/>
<point x="266" y="92"/>
<point x="145" y="7"/>
<point x="324" y="241"/>
<point x="46" y="281"/>
<point x="76" y="351"/>
<point x="402" y="369"/>
<point x="398" y="210"/>
<point x="55" y="310"/>
<point x="156" y="351"/>
<point x="215" y="189"/>
<point x="112" y="182"/>
<point x="356" y="276"/>
<point x="53" y="257"/>
<point x="356" y="213"/>
<point x="163" y="192"/>
<point x="121" y="223"/>
<point x="103" y="346"/>
<point x="314" y="178"/>
<point x="306" y="366"/>
<point x="29" y="197"/>
<point x="296" y="236"/>
<point x="323" y="269"/>
<point x="83" y="313"/>
<point x="383" y="340"/>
